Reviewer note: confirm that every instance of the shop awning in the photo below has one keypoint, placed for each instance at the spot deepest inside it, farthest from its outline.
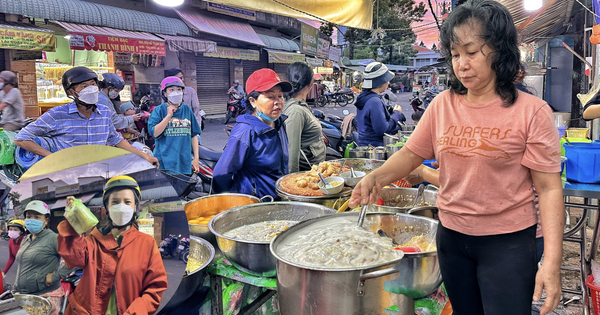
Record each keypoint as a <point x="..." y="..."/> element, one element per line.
<point x="189" y="44"/>
<point x="23" y="36"/>
<point x="62" y="202"/>
<point x="221" y="26"/>
<point x="356" y="13"/>
<point x="88" y="37"/>
<point x="277" y="43"/>
<point x="278" y="56"/>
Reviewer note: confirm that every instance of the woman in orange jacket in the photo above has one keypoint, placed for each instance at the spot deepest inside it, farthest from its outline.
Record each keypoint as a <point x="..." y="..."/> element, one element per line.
<point x="123" y="270"/>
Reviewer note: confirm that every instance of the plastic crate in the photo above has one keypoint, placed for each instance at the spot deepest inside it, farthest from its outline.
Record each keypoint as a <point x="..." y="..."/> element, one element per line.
<point x="594" y="294"/>
<point x="577" y="132"/>
<point x="583" y="162"/>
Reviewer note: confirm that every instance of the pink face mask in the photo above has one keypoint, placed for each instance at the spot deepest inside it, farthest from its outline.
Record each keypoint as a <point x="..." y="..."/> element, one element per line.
<point x="14" y="234"/>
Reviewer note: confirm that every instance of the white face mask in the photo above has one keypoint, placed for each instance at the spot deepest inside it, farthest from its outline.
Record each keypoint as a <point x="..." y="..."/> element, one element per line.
<point x="113" y="94"/>
<point x="120" y="214"/>
<point x="89" y="95"/>
<point x="1" y="85"/>
<point x="176" y="97"/>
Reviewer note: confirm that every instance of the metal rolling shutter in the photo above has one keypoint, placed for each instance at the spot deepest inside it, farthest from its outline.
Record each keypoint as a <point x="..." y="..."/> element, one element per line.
<point x="281" y="70"/>
<point x="212" y="75"/>
<point x="251" y="66"/>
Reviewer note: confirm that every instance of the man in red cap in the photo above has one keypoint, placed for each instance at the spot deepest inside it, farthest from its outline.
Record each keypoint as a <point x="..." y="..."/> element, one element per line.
<point x="257" y="151"/>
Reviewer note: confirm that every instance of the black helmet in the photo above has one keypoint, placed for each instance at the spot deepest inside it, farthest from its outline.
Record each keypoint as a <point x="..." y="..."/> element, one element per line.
<point x="114" y="80"/>
<point x="77" y="75"/>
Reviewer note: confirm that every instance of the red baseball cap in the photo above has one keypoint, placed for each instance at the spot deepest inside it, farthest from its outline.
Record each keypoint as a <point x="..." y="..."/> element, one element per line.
<point x="264" y="79"/>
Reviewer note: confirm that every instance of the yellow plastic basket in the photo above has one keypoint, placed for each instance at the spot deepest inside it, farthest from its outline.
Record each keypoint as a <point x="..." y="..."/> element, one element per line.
<point x="577" y="132"/>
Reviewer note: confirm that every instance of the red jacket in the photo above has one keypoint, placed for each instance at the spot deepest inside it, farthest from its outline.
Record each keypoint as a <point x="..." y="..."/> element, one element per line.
<point x="135" y="268"/>
<point x="13" y="248"/>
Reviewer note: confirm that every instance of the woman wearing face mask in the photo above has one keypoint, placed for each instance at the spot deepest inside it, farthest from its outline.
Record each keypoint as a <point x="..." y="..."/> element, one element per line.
<point x="109" y="92"/>
<point x="175" y="129"/>
<point x="16" y="232"/>
<point x="256" y="154"/>
<point x="123" y="270"/>
<point x="11" y="102"/>
<point x="38" y="259"/>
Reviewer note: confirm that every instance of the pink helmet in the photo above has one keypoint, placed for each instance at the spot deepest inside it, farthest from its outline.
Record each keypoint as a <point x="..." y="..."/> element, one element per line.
<point x="171" y="81"/>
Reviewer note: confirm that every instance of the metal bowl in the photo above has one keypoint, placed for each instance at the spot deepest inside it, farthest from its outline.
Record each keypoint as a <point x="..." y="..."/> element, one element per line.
<point x="251" y="256"/>
<point x="34" y="301"/>
<point x="390" y="139"/>
<point x="201" y="255"/>
<point x="400" y="200"/>
<point x="379" y="154"/>
<point x="212" y="205"/>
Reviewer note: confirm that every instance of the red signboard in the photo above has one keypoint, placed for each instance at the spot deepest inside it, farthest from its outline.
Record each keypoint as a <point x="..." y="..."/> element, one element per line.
<point x="80" y="41"/>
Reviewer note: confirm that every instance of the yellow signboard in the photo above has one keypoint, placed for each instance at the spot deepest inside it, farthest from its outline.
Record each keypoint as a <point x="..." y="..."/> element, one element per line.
<point x="13" y="38"/>
<point x="234" y="53"/>
<point x="283" y="57"/>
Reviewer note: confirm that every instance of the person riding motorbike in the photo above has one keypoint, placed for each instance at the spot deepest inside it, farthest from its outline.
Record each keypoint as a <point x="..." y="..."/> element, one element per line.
<point x="11" y="102"/>
<point x="81" y="122"/>
<point x="16" y="232"/>
<point x="237" y="90"/>
<point x="109" y="90"/>
<point x="123" y="270"/>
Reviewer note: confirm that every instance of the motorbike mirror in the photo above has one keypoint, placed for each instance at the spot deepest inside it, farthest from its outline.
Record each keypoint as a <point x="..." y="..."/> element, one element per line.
<point x="346" y="112"/>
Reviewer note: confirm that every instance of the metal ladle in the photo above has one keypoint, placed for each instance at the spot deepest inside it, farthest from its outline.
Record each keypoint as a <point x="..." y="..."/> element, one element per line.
<point x="419" y="194"/>
<point x="363" y="213"/>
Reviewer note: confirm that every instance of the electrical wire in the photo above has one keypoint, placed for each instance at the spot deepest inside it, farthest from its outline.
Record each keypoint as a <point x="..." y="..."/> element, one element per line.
<point x="585" y="7"/>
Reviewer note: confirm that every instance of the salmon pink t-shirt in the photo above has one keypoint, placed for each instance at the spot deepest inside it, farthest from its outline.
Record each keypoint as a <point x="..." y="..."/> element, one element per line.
<point x="485" y="153"/>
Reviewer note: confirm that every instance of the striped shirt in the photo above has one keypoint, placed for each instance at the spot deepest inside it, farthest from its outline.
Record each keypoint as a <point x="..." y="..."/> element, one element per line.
<point x="69" y="128"/>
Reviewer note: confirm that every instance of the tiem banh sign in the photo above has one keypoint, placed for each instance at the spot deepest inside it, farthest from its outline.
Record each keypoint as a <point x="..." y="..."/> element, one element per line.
<point x="309" y="39"/>
<point x="81" y="41"/>
<point x="234" y="53"/>
<point x="14" y="38"/>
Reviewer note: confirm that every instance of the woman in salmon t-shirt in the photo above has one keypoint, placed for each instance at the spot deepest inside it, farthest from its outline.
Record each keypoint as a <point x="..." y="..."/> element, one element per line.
<point x="493" y="143"/>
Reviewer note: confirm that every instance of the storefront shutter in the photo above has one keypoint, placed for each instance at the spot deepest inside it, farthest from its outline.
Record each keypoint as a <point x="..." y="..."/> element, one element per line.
<point x="212" y="75"/>
<point x="251" y="66"/>
<point x="281" y="70"/>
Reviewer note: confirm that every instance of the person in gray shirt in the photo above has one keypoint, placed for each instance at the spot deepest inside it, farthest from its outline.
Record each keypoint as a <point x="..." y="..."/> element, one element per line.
<point x="303" y="129"/>
<point x="11" y="102"/>
<point x="110" y="87"/>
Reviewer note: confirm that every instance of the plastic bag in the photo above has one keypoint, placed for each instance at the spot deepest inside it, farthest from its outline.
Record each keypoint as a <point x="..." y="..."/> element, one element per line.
<point x="79" y="216"/>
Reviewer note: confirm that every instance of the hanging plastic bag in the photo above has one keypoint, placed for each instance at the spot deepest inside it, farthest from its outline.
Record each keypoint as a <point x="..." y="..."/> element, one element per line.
<point x="79" y="216"/>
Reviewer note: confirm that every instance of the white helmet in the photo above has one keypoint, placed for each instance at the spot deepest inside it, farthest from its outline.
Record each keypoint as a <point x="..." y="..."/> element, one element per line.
<point x="38" y="206"/>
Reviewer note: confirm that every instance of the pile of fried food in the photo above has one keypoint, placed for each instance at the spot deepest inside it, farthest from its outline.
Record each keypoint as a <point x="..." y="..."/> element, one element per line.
<point x="307" y="183"/>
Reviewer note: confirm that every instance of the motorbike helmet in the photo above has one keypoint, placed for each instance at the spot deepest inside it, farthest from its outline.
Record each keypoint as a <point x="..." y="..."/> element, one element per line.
<point x="18" y="224"/>
<point x="120" y="182"/>
<point x="9" y="77"/>
<point x="114" y="80"/>
<point x="38" y="206"/>
<point x="169" y="82"/>
<point x="77" y="75"/>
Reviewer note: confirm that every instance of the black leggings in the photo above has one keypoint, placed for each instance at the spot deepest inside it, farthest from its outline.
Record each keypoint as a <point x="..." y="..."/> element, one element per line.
<point x="488" y="275"/>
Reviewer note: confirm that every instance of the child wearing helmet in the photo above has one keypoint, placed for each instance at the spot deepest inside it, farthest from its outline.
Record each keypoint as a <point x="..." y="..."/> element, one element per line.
<point x="123" y="270"/>
<point x="16" y="232"/>
<point x="175" y="129"/>
<point x="38" y="262"/>
<point x="109" y="93"/>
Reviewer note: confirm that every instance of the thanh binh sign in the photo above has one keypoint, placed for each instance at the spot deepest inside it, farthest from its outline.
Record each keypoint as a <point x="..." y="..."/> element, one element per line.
<point x="80" y="41"/>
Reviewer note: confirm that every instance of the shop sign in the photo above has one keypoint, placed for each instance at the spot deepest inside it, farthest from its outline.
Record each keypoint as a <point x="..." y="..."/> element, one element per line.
<point x="226" y="10"/>
<point x="164" y="207"/>
<point x="282" y="57"/>
<point x="323" y="48"/>
<point x="335" y="53"/>
<point x="327" y="64"/>
<point x="27" y="40"/>
<point x="26" y="55"/>
<point x="234" y="53"/>
<point x="122" y="59"/>
<point x="324" y="70"/>
<point x="314" y="62"/>
<point x="309" y="39"/>
<point x="80" y="41"/>
<point x="68" y="190"/>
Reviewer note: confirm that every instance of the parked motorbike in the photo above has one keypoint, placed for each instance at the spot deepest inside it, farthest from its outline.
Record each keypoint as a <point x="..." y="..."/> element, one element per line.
<point x="4" y="235"/>
<point x="236" y="106"/>
<point x="428" y="96"/>
<point x="335" y="141"/>
<point x="208" y="159"/>
<point x="416" y="102"/>
<point x="184" y="249"/>
<point x="168" y="247"/>
<point x="337" y="98"/>
<point x="69" y="284"/>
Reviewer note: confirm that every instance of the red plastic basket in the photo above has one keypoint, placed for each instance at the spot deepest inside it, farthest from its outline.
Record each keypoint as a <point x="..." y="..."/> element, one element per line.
<point x="594" y="294"/>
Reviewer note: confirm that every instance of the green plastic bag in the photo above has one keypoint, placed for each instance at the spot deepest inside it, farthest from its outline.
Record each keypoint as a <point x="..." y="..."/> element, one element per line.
<point x="7" y="147"/>
<point x="347" y="151"/>
<point x="79" y="216"/>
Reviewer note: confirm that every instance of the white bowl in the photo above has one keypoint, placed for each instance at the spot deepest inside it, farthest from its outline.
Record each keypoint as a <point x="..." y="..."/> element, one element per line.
<point x="335" y="189"/>
<point x="352" y="181"/>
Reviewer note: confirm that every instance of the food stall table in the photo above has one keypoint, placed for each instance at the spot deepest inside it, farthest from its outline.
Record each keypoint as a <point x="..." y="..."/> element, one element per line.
<point x="588" y="192"/>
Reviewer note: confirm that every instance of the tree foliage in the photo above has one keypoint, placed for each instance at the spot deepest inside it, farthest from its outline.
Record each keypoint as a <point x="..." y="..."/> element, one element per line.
<point x="392" y="14"/>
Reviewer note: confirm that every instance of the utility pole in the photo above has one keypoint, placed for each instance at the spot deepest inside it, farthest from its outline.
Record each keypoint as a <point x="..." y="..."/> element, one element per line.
<point x="391" y="52"/>
<point x="579" y="85"/>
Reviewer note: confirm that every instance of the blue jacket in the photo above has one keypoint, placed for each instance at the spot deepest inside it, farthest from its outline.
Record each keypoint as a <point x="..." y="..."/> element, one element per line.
<point x="374" y="120"/>
<point x="255" y="157"/>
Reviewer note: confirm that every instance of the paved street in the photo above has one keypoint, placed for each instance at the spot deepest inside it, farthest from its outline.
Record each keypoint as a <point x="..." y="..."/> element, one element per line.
<point x="215" y="137"/>
<point x="173" y="266"/>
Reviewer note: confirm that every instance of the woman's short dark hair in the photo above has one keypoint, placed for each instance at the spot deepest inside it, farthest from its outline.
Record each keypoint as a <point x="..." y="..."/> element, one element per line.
<point x="249" y="108"/>
<point x="498" y="30"/>
<point x="300" y="75"/>
<point x="173" y="72"/>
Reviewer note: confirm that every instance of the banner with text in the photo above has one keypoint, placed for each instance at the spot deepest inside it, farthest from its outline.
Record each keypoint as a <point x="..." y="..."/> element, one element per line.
<point x="323" y="48"/>
<point x="227" y="10"/>
<point x="81" y="41"/>
<point x="26" y="40"/>
<point x="234" y="53"/>
<point x="309" y="39"/>
<point x="284" y="57"/>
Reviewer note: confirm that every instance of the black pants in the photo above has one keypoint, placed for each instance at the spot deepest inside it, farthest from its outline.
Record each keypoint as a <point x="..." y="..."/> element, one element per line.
<point x="491" y="275"/>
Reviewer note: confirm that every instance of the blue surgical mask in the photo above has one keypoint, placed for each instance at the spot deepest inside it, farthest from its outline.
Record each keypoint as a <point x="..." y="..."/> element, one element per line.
<point x="34" y="226"/>
<point x="264" y="117"/>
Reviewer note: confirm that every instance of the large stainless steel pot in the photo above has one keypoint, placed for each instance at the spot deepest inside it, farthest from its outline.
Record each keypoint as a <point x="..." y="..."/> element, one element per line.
<point x="212" y="205"/>
<point x="251" y="256"/>
<point x="201" y="255"/>
<point x="390" y="139"/>
<point x="378" y="153"/>
<point x="400" y="200"/>
<point x="360" y="152"/>
<point x="34" y="301"/>
<point x="358" y="291"/>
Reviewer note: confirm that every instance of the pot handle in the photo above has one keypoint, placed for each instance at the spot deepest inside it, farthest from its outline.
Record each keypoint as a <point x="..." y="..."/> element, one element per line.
<point x="372" y="275"/>
<point x="267" y="197"/>
<point x="410" y="211"/>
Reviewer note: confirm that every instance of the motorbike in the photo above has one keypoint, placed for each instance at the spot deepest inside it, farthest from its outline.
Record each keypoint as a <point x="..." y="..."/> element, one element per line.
<point x="69" y="284"/>
<point x="184" y="249"/>
<point x="236" y="106"/>
<point x="335" y="141"/>
<point x="4" y="235"/>
<point x="208" y="159"/>
<point x="416" y="102"/>
<point x="337" y="98"/>
<point x="169" y="246"/>
<point x="428" y="96"/>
